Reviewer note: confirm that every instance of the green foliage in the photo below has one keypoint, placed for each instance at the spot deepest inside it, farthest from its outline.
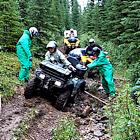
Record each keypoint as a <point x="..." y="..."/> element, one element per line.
<point x="117" y="24"/>
<point x="84" y="38"/>
<point x="8" y="69"/>
<point x="124" y="117"/>
<point x="10" y="26"/>
<point x="51" y="18"/>
<point x="23" y="6"/>
<point x="66" y="130"/>
<point x="20" y="131"/>
<point x="75" y="14"/>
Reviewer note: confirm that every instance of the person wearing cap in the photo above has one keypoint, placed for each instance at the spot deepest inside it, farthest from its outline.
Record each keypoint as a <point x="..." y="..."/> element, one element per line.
<point x="105" y="70"/>
<point x="24" y="54"/>
<point x="54" y="55"/>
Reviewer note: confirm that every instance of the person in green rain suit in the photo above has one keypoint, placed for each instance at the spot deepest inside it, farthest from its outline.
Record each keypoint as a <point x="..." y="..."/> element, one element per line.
<point x="24" y="54"/>
<point x="105" y="69"/>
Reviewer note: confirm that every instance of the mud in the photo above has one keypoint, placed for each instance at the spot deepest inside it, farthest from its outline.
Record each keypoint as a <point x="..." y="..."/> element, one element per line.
<point x="87" y="113"/>
<point x="42" y="126"/>
<point x="12" y="114"/>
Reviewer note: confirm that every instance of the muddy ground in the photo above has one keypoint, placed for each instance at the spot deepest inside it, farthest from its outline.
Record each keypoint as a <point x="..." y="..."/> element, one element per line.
<point x="38" y="117"/>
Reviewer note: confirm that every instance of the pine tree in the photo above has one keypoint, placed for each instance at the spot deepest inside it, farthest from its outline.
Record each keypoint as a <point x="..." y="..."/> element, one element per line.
<point x="75" y="14"/>
<point x="10" y="26"/>
<point x="113" y="16"/>
<point x="66" y="5"/>
<point x="23" y="6"/>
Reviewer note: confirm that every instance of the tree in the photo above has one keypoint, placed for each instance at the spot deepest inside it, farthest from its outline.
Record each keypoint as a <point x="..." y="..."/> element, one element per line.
<point x="23" y="6"/>
<point x="10" y="25"/>
<point x="75" y="14"/>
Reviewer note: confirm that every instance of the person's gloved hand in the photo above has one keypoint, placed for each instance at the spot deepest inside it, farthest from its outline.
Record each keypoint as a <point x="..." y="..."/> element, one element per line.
<point x="93" y="57"/>
<point x="30" y="59"/>
<point x="71" y="68"/>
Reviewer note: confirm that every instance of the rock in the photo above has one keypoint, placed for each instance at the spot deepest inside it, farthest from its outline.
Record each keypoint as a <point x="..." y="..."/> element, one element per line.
<point x="95" y="138"/>
<point x="28" y="104"/>
<point x="94" y="110"/>
<point x="89" y="136"/>
<point x="101" y="126"/>
<point x="86" y="111"/>
<point x="83" y="122"/>
<point x="77" y="121"/>
<point x="87" y="102"/>
<point x="98" y="133"/>
<point x="105" y="137"/>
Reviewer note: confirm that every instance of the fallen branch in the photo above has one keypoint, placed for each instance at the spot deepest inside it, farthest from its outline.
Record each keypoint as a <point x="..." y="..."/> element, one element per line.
<point x="95" y="97"/>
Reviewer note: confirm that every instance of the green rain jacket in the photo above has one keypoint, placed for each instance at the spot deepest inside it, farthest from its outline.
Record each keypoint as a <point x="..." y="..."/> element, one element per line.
<point x="101" y="62"/>
<point x="23" y="49"/>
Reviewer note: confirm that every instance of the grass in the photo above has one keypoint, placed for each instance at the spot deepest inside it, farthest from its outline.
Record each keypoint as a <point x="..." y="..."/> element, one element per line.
<point x="21" y="131"/>
<point x="8" y="69"/>
<point x="66" y="130"/>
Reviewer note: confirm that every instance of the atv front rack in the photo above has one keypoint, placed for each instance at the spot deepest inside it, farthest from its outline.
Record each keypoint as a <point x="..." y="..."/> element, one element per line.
<point x="55" y="71"/>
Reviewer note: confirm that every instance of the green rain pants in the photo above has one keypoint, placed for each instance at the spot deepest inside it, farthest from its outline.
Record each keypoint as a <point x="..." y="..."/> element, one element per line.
<point x="108" y="82"/>
<point x="25" y="64"/>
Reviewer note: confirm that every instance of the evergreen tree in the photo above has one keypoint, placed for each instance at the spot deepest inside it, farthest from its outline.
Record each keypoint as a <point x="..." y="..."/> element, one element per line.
<point x="10" y="26"/>
<point x="75" y="14"/>
<point x="66" y="5"/>
<point x="113" y="16"/>
<point x="38" y="16"/>
<point x="130" y="37"/>
<point x="23" y="6"/>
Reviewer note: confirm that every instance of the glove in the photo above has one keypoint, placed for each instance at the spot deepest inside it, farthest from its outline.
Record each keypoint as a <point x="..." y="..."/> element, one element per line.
<point x="93" y="57"/>
<point x="71" y="68"/>
<point x="30" y="59"/>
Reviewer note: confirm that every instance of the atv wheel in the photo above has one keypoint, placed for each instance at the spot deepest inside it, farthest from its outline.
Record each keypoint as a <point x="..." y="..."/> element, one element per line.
<point x="62" y="100"/>
<point x="30" y="89"/>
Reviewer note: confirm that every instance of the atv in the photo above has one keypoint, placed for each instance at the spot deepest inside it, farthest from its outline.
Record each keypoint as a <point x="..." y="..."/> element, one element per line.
<point x="51" y="79"/>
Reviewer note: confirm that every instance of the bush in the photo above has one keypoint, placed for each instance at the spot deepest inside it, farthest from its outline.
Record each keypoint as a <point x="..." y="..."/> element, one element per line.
<point x="8" y="69"/>
<point x="124" y="117"/>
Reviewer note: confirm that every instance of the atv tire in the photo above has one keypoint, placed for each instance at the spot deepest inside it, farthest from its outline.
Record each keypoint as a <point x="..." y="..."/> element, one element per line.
<point x="30" y="89"/>
<point x="62" y="100"/>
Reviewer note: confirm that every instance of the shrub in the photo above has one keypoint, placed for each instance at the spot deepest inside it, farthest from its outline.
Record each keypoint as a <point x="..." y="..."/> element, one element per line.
<point x="66" y="130"/>
<point x="124" y="117"/>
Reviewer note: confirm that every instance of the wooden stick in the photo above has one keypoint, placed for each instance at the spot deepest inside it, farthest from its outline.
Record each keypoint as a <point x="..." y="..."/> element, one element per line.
<point x="95" y="97"/>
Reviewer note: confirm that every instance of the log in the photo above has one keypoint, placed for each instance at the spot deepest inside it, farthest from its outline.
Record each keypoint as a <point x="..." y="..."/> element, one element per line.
<point x="95" y="97"/>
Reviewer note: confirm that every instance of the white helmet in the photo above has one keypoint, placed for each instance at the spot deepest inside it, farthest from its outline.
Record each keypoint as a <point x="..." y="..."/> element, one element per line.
<point x="51" y="44"/>
<point x="33" y="31"/>
<point x="71" y="29"/>
<point x="91" y="40"/>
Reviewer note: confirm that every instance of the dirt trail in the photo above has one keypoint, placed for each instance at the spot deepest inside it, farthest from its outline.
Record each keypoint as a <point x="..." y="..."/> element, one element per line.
<point x="12" y="114"/>
<point x="91" y="126"/>
<point x="42" y="126"/>
<point x="17" y="109"/>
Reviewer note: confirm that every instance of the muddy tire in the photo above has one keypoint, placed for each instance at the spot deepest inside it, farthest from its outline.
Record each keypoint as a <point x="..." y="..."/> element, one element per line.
<point x="62" y="100"/>
<point x="30" y="89"/>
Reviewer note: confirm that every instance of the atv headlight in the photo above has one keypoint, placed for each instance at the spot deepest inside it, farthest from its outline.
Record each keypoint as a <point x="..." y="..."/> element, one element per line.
<point x="42" y="76"/>
<point x="57" y="83"/>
